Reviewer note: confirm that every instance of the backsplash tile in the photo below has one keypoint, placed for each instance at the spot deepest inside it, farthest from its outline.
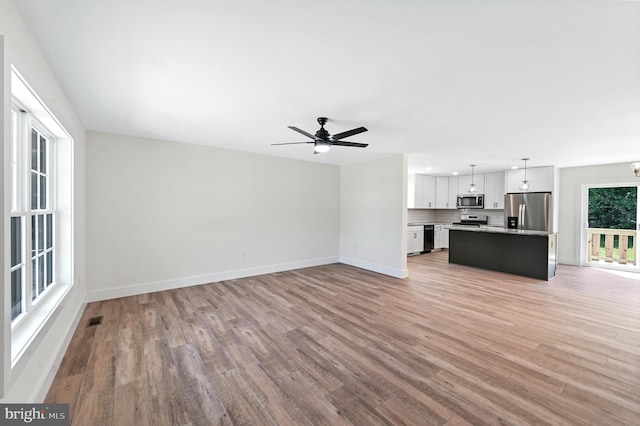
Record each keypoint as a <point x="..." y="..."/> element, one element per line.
<point x="494" y="217"/>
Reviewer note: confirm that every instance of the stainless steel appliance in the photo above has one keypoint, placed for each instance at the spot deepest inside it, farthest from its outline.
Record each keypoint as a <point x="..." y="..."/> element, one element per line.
<point x="472" y="219"/>
<point x="528" y="210"/>
<point x="469" y="201"/>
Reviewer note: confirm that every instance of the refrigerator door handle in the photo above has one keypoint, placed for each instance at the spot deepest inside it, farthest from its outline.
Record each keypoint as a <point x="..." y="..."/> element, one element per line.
<point x="521" y="213"/>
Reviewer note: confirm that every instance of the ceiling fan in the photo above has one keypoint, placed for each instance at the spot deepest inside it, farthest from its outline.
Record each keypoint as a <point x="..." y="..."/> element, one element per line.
<point x="322" y="140"/>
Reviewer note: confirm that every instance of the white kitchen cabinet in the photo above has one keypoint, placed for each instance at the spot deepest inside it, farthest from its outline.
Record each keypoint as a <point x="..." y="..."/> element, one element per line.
<point x="429" y="187"/>
<point x="442" y="192"/>
<point x="465" y="180"/>
<point x="415" y="192"/>
<point x="541" y="179"/>
<point x="453" y="192"/>
<point x="415" y="239"/>
<point x="494" y="184"/>
<point x="438" y="237"/>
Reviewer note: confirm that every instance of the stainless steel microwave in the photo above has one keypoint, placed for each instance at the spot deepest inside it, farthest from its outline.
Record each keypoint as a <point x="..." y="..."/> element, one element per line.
<point x="470" y="201"/>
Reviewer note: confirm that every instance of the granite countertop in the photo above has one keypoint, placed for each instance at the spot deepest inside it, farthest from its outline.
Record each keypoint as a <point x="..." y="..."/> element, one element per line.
<point x="498" y="230"/>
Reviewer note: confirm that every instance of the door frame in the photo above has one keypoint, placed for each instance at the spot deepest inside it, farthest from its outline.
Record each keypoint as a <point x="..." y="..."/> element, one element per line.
<point x="584" y="216"/>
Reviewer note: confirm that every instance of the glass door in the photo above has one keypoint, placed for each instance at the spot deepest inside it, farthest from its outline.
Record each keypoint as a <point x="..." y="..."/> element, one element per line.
<point x="612" y="226"/>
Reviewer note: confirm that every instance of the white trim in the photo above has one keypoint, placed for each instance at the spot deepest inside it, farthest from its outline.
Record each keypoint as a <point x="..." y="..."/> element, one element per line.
<point x="150" y="287"/>
<point x="36" y="321"/>
<point x="42" y="388"/>
<point x="584" y="216"/>
<point x="393" y="272"/>
<point x="22" y="91"/>
<point x="25" y="348"/>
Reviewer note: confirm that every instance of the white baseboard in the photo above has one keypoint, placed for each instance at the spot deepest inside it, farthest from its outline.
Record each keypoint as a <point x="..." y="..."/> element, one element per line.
<point x="393" y="272"/>
<point x="568" y="261"/>
<point x="150" y="287"/>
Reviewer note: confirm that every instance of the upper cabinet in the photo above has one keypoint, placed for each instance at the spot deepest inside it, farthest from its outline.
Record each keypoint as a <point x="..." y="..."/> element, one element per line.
<point x="442" y="192"/>
<point x="541" y="179"/>
<point x="494" y="184"/>
<point x="465" y="181"/>
<point x="415" y="192"/>
<point x="453" y="192"/>
<point x="421" y="192"/>
<point x="429" y="192"/>
<point x="446" y="192"/>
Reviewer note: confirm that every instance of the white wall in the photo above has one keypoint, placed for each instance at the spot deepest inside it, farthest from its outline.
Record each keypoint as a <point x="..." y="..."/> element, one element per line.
<point x="165" y="214"/>
<point x="30" y="378"/>
<point x="572" y="180"/>
<point x="373" y="215"/>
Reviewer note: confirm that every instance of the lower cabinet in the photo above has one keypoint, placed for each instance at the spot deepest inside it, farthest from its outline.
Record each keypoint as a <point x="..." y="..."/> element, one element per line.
<point x="440" y="237"/>
<point x="415" y="239"/>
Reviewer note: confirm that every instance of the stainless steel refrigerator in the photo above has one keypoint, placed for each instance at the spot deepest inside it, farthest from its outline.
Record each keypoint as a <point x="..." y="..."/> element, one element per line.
<point x="528" y="210"/>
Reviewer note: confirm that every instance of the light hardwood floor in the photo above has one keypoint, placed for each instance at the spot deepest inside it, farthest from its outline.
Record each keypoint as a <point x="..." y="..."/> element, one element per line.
<point x="452" y="345"/>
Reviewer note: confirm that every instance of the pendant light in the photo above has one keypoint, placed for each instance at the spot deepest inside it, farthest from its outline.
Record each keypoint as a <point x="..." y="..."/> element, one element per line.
<point x="524" y="185"/>
<point x="472" y="187"/>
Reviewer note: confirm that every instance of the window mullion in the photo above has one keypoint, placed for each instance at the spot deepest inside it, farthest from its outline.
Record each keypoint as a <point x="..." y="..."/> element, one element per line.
<point x="26" y="205"/>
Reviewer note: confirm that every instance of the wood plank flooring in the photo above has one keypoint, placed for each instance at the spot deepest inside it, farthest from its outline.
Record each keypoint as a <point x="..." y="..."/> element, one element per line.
<point x="336" y="345"/>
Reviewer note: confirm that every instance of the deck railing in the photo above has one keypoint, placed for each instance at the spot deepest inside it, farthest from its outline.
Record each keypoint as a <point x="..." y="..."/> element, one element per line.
<point x="604" y="249"/>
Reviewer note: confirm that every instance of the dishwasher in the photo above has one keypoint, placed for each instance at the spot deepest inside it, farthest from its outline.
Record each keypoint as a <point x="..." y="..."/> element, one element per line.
<point x="429" y="238"/>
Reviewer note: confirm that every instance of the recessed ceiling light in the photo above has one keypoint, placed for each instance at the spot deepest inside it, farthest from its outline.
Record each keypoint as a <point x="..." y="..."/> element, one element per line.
<point x="455" y="173"/>
<point x="429" y="168"/>
<point x="514" y="167"/>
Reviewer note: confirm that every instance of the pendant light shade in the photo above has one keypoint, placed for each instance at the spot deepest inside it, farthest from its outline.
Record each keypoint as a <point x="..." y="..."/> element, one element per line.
<point x="472" y="187"/>
<point x="524" y="185"/>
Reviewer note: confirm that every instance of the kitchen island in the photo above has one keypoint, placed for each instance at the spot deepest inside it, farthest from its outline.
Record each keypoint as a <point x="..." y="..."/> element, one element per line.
<point x="520" y="252"/>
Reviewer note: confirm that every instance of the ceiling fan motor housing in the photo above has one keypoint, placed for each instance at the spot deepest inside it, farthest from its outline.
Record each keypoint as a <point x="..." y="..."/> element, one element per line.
<point x="322" y="133"/>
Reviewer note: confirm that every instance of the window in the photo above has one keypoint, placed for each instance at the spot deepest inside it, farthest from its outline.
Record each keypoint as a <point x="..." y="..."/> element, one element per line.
<point x="32" y="212"/>
<point x="41" y="227"/>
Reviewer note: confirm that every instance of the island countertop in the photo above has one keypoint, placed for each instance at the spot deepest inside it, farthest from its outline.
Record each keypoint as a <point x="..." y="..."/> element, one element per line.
<point x="527" y="253"/>
<point x="498" y="230"/>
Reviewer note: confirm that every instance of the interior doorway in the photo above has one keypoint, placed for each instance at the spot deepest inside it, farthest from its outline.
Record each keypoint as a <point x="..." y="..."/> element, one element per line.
<point x="611" y="232"/>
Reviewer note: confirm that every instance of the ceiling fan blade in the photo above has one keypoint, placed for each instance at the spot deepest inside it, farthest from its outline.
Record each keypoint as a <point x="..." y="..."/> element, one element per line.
<point x="309" y="135"/>
<point x="291" y="143"/>
<point x="349" y="133"/>
<point x="354" y="144"/>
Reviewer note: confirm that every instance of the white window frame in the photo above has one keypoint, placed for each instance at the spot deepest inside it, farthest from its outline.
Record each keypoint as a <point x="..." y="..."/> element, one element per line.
<point x="31" y="327"/>
<point x="21" y="203"/>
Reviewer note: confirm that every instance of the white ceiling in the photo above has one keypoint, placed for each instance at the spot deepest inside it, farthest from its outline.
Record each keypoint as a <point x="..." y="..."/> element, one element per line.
<point x="449" y="82"/>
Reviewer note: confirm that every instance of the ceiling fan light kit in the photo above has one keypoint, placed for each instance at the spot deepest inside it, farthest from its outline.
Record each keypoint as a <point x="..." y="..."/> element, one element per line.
<point x="321" y="146"/>
<point x="322" y="140"/>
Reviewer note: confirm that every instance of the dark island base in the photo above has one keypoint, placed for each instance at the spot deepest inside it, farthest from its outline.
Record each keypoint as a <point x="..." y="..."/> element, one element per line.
<point x="520" y="254"/>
